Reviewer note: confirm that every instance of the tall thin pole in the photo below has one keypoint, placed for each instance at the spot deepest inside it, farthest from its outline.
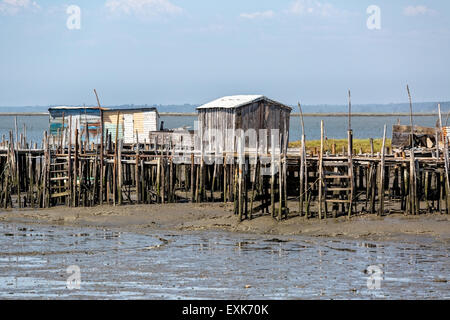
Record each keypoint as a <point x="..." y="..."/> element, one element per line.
<point x="382" y="174"/>
<point x="446" y="164"/>
<point x="101" y="147"/>
<point x="63" y="132"/>
<point x="411" y="116"/>
<point x="16" y="131"/>
<point x="115" y="158"/>
<point x="349" y="110"/>
<point x="303" y="174"/>
<point x="350" y="154"/>
<point x="321" y="168"/>
<point x="412" y="169"/>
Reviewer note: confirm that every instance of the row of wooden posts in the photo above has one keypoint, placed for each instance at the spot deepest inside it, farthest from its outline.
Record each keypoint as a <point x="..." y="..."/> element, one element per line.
<point x="74" y="173"/>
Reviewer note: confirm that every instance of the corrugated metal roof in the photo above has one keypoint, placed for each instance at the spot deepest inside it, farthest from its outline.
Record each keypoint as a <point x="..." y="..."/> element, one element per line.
<point x="74" y="108"/>
<point x="135" y="109"/>
<point x="236" y="101"/>
<point x="57" y="112"/>
<point x="104" y="109"/>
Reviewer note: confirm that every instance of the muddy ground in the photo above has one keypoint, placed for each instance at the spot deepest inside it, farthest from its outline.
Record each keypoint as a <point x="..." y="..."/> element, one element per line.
<point x="218" y="216"/>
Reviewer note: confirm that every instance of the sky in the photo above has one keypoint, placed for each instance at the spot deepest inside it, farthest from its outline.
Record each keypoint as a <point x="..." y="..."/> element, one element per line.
<point x="176" y="52"/>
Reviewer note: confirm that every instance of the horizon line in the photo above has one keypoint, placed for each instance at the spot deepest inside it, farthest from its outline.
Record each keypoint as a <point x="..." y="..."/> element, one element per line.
<point x="191" y="104"/>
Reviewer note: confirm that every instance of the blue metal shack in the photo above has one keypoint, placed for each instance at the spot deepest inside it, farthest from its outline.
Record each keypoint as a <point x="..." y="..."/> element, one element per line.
<point x="86" y="119"/>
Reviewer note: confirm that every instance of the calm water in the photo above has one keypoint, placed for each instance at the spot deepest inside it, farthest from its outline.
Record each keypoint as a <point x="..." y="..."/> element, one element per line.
<point x="335" y="127"/>
<point x="157" y="265"/>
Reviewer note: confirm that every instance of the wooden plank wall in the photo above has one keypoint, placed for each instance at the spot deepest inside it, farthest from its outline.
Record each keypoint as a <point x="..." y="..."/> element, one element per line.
<point x="258" y="115"/>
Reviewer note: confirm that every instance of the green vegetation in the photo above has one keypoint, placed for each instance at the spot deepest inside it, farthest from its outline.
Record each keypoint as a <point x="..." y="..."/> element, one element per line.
<point x="363" y="144"/>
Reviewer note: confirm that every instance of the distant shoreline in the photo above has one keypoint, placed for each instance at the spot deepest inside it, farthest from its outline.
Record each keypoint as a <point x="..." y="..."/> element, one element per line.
<point x="24" y="114"/>
<point x="368" y="114"/>
<point x="193" y="114"/>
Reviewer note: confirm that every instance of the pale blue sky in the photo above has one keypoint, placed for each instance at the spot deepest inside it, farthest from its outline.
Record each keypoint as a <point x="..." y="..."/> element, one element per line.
<point x="174" y="52"/>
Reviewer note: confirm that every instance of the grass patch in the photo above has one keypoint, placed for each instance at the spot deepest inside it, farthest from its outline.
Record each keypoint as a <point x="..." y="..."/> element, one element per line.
<point x="363" y="144"/>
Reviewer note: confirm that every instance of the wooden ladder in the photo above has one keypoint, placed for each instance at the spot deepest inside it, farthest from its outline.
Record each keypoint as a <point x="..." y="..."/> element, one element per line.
<point x="59" y="177"/>
<point x="337" y="185"/>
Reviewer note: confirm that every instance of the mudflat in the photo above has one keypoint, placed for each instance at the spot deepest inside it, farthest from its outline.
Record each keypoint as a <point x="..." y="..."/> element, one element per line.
<point x="219" y="216"/>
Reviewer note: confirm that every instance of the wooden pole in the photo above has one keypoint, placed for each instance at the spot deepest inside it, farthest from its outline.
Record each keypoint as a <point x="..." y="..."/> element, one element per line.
<point x="302" y="170"/>
<point x="349" y="110"/>
<point x="69" y="163"/>
<point x="280" y="186"/>
<point x="321" y="168"/>
<point x="136" y="167"/>
<point x="350" y="172"/>
<point x="446" y="160"/>
<point x="115" y="159"/>
<point x="192" y="178"/>
<point x="225" y="180"/>
<point x="101" y="148"/>
<point x="119" y="172"/>
<point x="255" y="172"/>
<point x="272" y="179"/>
<point x="158" y="179"/>
<point x="411" y="117"/>
<point x="241" y="158"/>
<point x="382" y="175"/>
<point x="350" y="155"/>
<point x="75" y="170"/>
<point x="412" y="177"/>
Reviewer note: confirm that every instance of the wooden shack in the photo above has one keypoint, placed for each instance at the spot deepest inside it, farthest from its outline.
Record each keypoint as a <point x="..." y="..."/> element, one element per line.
<point x="242" y="112"/>
<point x="134" y="125"/>
<point x="85" y="119"/>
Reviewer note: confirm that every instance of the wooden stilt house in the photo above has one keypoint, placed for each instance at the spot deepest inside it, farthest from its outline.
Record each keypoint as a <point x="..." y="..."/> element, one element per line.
<point x="226" y="117"/>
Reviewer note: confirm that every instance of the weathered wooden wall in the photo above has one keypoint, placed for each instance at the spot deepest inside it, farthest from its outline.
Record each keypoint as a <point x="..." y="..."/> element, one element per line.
<point x="227" y="121"/>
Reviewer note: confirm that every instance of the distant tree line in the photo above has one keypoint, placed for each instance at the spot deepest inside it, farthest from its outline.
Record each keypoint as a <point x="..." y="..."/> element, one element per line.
<point x="419" y="107"/>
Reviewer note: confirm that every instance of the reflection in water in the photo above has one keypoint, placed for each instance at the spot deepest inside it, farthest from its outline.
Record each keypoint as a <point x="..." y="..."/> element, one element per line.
<point x="113" y="264"/>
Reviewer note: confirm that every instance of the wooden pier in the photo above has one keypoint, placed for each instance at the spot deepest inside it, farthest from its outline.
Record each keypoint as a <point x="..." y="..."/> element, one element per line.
<point x="310" y="183"/>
